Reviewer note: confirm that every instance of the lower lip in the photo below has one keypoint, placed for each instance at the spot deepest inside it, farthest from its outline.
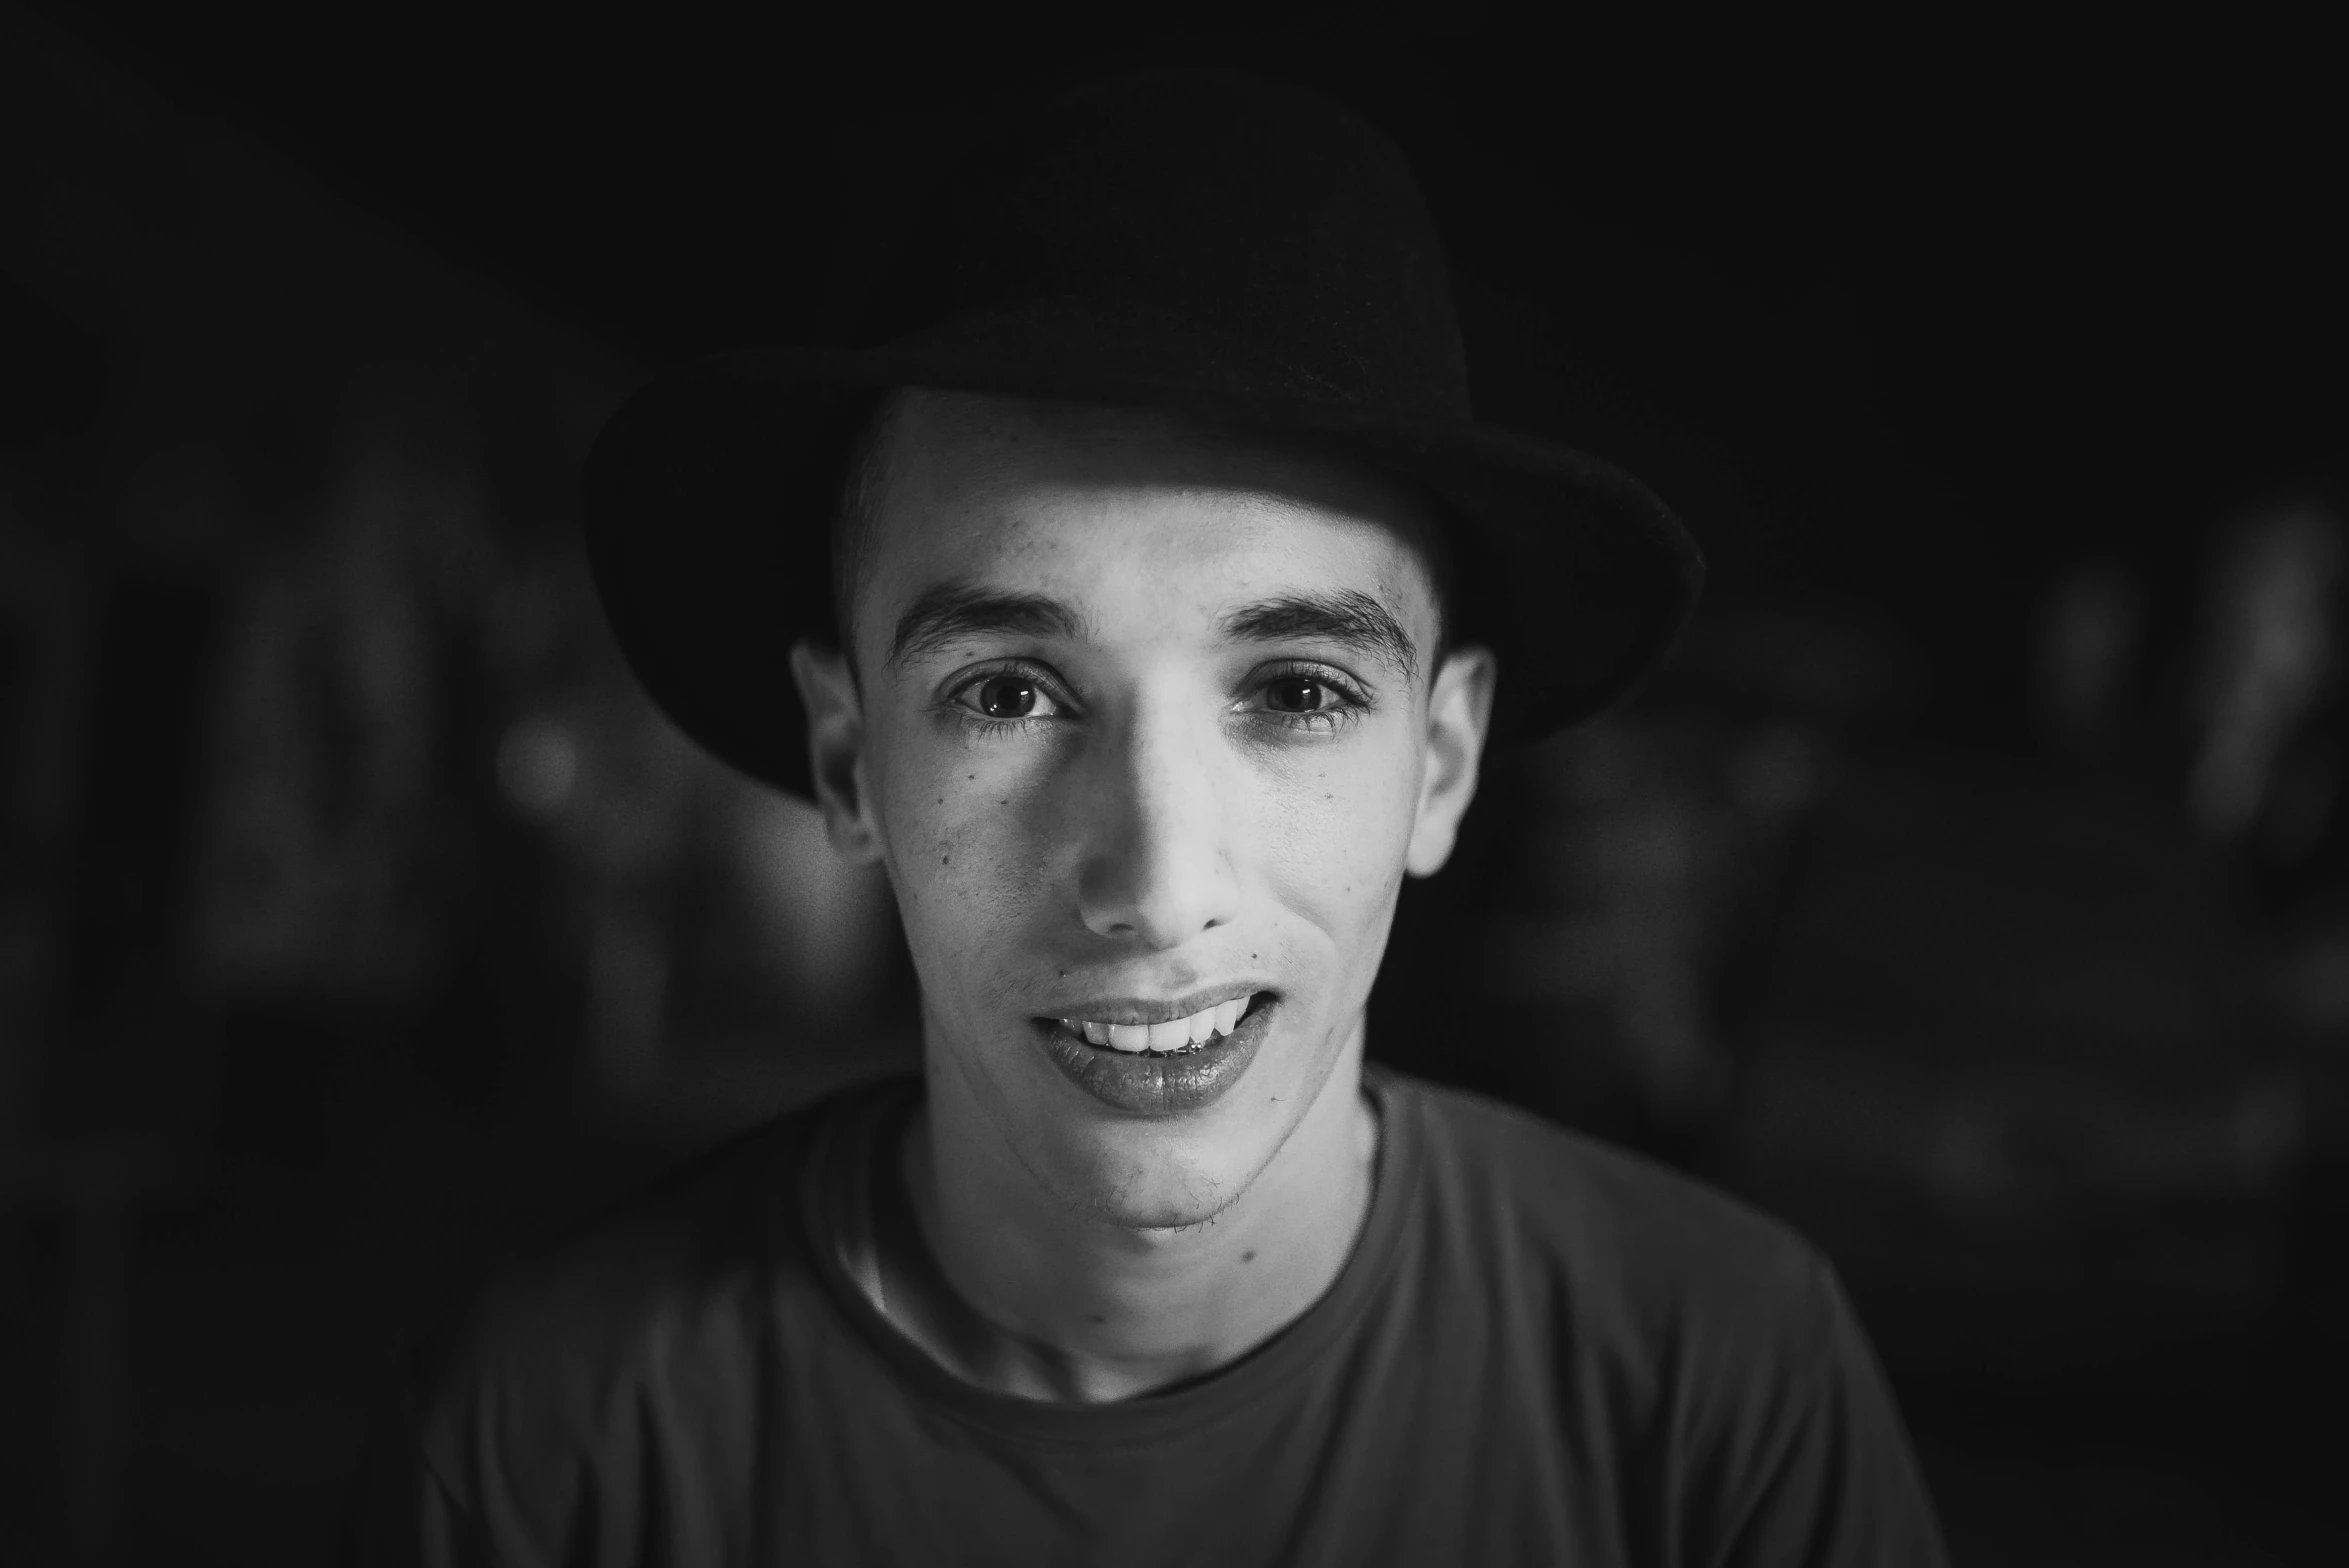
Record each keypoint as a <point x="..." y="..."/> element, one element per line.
<point x="1158" y="1085"/>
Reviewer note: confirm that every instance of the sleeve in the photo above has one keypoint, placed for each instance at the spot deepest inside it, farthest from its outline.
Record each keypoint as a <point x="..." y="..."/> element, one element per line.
<point x="399" y="1512"/>
<point x="480" y="1453"/>
<point x="1815" y="1468"/>
<point x="533" y="1432"/>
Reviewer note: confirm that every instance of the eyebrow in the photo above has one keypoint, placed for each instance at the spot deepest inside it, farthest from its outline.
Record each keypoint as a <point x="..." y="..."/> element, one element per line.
<point x="954" y="611"/>
<point x="1349" y="619"/>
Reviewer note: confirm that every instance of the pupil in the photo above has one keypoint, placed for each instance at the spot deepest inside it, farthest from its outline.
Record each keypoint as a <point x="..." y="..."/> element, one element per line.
<point x="1006" y="697"/>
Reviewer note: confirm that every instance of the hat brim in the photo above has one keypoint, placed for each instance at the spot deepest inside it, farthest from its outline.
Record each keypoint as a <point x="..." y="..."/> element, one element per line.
<point x="710" y="495"/>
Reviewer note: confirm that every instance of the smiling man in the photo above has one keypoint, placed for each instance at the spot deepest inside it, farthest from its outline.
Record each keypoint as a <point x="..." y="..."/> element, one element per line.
<point x="1138" y="718"/>
<point x="1173" y="592"/>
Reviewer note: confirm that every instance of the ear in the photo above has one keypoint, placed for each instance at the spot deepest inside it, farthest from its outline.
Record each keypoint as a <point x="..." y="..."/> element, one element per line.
<point x="836" y="749"/>
<point x="1459" y="713"/>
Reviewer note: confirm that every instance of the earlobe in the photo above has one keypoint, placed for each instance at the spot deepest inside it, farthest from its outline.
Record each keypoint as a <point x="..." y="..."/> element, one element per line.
<point x="1459" y="714"/>
<point x="835" y="740"/>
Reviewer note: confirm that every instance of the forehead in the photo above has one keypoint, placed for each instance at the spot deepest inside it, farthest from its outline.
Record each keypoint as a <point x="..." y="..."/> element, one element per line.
<point x="999" y="491"/>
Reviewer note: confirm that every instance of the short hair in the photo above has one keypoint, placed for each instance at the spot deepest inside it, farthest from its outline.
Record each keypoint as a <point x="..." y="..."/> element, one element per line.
<point x="864" y="484"/>
<point x="856" y="511"/>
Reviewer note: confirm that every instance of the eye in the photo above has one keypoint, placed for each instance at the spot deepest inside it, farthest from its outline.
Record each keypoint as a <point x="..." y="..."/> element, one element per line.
<point x="1007" y="697"/>
<point x="1306" y="698"/>
<point x="1299" y="694"/>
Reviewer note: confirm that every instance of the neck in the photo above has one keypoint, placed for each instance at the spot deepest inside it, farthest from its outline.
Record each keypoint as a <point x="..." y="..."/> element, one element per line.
<point x="1064" y="1305"/>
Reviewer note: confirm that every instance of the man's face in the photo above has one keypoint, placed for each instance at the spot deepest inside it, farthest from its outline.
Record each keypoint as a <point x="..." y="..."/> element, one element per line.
<point x="1143" y="729"/>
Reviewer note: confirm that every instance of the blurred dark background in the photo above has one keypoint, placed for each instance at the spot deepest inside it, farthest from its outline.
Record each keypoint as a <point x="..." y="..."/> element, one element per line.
<point x="1972" y="893"/>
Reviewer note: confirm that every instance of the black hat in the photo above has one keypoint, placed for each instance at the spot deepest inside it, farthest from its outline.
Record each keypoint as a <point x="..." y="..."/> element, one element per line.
<point x="1213" y="246"/>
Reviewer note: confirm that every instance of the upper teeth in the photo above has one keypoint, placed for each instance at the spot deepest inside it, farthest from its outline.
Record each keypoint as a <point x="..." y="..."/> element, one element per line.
<point x="1182" y="1033"/>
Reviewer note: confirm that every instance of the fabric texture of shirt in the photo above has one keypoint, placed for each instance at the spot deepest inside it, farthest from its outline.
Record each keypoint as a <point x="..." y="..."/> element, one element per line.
<point x="1542" y="1350"/>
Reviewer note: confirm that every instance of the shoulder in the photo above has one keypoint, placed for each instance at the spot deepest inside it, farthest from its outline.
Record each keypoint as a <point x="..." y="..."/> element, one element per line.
<point x="1740" y="1405"/>
<point x="656" y="1312"/>
<point x="1709" y="1343"/>
<point x="1634" y="1251"/>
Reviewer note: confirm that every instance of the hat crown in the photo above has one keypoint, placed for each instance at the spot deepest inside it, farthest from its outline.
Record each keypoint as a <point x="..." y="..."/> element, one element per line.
<point x="1200" y="230"/>
<point x="1210" y="246"/>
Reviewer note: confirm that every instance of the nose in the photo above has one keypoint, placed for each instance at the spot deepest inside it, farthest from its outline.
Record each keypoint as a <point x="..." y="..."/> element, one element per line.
<point x="1157" y="868"/>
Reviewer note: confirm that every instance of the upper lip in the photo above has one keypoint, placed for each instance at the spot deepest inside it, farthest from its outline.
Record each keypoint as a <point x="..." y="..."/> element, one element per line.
<point x="1143" y="1010"/>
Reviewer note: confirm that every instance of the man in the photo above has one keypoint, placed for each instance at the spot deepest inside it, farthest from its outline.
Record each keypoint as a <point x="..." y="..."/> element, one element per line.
<point x="1173" y="593"/>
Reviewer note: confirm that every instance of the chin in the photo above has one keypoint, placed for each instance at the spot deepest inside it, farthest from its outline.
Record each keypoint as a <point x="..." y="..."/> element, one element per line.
<point x="1136" y="1211"/>
<point x="1157" y="1188"/>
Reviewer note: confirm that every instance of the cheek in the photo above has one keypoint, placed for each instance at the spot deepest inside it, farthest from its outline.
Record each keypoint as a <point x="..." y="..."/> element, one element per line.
<point x="961" y="862"/>
<point x="1333" y="836"/>
<point x="981" y="857"/>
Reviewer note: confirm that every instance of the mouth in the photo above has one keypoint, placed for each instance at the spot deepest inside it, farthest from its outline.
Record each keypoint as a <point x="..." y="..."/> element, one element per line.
<point x="1174" y="1037"/>
<point x="1148" y="1065"/>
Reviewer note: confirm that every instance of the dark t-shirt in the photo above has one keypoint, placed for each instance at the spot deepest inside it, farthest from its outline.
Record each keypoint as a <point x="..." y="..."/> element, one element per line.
<point x="1543" y="1350"/>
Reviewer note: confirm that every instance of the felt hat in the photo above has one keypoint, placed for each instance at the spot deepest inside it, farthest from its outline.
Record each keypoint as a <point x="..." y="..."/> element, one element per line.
<point x="1227" y="249"/>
